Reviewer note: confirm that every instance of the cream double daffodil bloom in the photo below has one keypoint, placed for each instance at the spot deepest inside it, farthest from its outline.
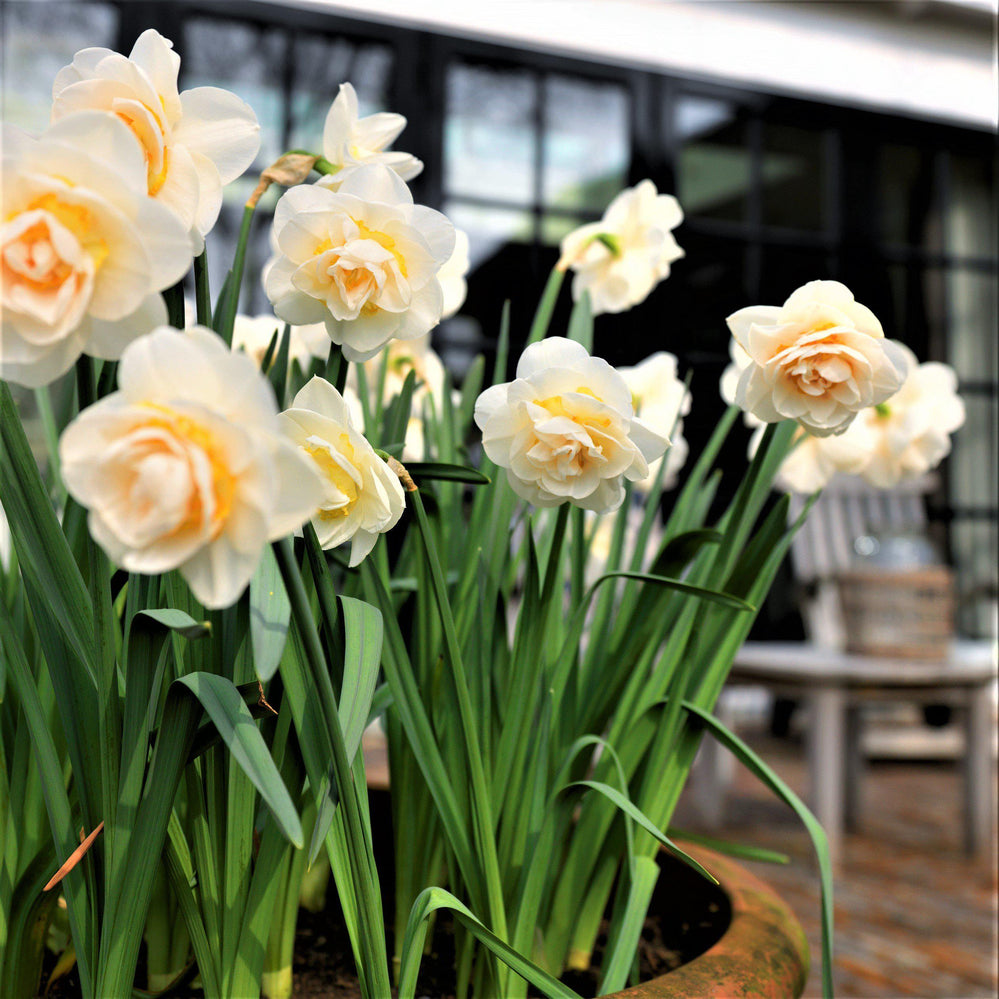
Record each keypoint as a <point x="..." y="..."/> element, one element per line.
<point x="362" y="259"/>
<point x="186" y="466"/>
<point x="818" y="359"/>
<point x="621" y="258"/>
<point x="350" y="141"/>
<point x="85" y="251"/>
<point x="193" y="142"/>
<point x="565" y="429"/>
<point x="362" y="496"/>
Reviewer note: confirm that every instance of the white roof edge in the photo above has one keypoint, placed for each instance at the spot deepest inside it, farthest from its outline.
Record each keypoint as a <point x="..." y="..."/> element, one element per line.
<point x="911" y="61"/>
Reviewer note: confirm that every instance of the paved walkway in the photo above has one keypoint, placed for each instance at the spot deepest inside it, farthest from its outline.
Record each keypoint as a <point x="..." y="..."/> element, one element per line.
<point x="914" y="916"/>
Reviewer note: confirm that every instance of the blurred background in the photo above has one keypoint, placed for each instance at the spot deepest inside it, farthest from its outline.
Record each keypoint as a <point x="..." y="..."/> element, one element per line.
<point x="854" y="141"/>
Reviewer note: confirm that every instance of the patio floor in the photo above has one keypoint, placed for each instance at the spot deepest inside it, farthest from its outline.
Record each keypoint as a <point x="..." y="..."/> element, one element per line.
<point x="914" y="915"/>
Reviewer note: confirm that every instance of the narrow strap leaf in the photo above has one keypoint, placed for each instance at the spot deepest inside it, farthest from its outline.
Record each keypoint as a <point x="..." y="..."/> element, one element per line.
<point x="746" y="755"/>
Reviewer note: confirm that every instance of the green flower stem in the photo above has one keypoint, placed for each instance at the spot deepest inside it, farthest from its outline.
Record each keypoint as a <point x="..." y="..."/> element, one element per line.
<point x="479" y="790"/>
<point x="322" y="165"/>
<point x="361" y="860"/>
<point x="336" y="367"/>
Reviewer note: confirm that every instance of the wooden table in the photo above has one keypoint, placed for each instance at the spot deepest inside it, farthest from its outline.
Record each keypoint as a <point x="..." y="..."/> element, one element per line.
<point x="836" y="685"/>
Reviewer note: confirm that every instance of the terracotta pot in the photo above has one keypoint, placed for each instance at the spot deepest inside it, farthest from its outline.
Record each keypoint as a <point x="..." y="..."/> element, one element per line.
<point x="763" y="953"/>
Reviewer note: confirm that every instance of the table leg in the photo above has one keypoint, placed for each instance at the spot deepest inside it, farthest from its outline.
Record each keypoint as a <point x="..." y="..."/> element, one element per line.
<point x="977" y="771"/>
<point x="855" y="765"/>
<point x="826" y="745"/>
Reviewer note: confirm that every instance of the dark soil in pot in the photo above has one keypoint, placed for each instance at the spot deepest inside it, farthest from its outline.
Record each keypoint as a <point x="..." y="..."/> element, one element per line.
<point x="688" y="915"/>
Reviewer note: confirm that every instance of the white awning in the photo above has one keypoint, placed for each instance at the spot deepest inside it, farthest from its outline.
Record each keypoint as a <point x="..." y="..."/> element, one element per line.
<point x="929" y="59"/>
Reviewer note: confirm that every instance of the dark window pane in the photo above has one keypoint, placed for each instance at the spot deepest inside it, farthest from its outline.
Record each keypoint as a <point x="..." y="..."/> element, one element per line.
<point x="38" y="40"/>
<point x="910" y="212"/>
<point x="973" y="544"/>
<point x="490" y="229"/>
<point x="586" y="143"/>
<point x="974" y="318"/>
<point x="714" y="171"/>
<point x="787" y="268"/>
<point x="320" y="65"/>
<point x="489" y="135"/>
<point x="249" y="61"/>
<point x="794" y="177"/>
<point x="971" y="214"/>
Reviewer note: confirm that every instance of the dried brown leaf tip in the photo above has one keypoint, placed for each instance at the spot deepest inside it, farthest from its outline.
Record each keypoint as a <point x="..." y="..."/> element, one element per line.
<point x="74" y="858"/>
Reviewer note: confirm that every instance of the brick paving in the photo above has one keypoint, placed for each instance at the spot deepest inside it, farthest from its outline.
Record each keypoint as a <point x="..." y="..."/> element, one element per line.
<point x="914" y="915"/>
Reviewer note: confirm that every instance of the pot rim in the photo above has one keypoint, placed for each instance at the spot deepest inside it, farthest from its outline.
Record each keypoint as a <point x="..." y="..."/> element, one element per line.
<point x="763" y="953"/>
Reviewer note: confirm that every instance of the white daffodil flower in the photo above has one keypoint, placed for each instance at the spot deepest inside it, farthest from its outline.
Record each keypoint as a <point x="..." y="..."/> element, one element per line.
<point x="910" y="433"/>
<point x="621" y="258"/>
<point x="661" y="400"/>
<point x="350" y="141"/>
<point x="362" y="496"/>
<point x="186" y="466"/>
<point x="819" y="359"/>
<point x="363" y="260"/>
<point x="5" y="541"/>
<point x="728" y="385"/>
<point x="815" y="460"/>
<point x="565" y="429"/>
<point x="194" y="142"/>
<point x="85" y="252"/>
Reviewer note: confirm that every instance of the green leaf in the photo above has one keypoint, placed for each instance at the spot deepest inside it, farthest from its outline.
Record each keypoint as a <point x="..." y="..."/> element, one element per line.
<point x="633" y="812"/>
<point x="677" y="553"/>
<point x="543" y="315"/>
<point x="432" y="899"/>
<point x="278" y="372"/>
<point x="446" y="473"/>
<point x="226" y="708"/>
<point x="745" y="851"/>
<point x="270" y="612"/>
<point x="751" y="760"/>
<point x="623" y="943"/>
<point x="713" y="596"/>
<point x="179" y="621"/>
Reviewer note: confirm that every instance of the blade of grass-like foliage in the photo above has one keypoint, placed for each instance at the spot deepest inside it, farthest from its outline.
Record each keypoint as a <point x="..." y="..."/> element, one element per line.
<point x="202" y="290"/>
<point x="224" y="705"/>
<point x="470" y="389"/>
<point x="623" y="943"/>
<point x="581" y="322"/>
<point x="502" y="345"/>
<point x="277" y="374"/>
<point x="362" y="659"/>
<point x="744" y="851"/>
<point x="543" y="315"/>
<point x="446" y="473"/>
<point x="228" y="304"/>
<point x="180" y="871"/>
<point x="818" y="836"/>
<point x="432" y="899"/>
<point x="57" y="805"/>
<point x="629" y="808"/>
<point x="270" y="613"/>
<point x="397" y="413"/>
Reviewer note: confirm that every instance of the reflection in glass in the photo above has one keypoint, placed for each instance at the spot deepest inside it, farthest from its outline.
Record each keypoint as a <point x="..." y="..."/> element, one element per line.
<point x="971" y="214"/>
<point x="910" y="212"/>
<point x="974" y="318"/>
<point x="489" y="140"/>
<point x="714" y="173"/>
<point x="319" y="66"/>
<point x="489" y="229"/>
<point x="974" y="547"/>
<point x="586" y="143"/>
<point x="794" y="177"/>
<point x="38" y="40"/>
<point x="243" y="58"/>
